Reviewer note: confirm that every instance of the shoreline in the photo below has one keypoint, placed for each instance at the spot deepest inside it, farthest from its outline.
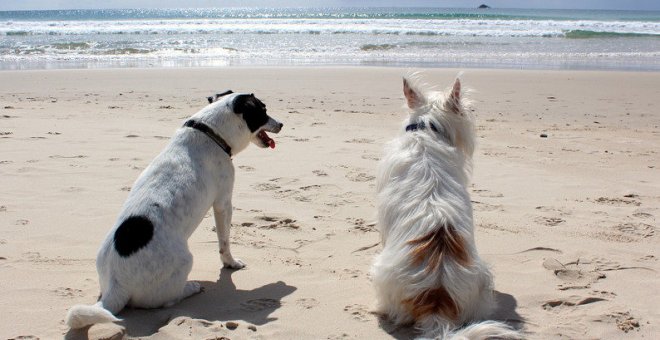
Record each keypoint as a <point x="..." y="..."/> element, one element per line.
<point x="568" y="222"/>
<point x="145" y="65"/>
<point x="395" y="37"/>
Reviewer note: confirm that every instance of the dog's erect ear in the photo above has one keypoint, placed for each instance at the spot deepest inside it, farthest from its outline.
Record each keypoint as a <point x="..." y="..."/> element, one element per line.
<point x="215" y="97"/>
<point x="223" y="93"/>
<point x="413" y="97"/>
<point x="453" y="102"/>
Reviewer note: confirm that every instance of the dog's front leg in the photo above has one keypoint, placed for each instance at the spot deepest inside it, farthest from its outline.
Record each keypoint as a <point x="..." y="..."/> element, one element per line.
<point x="222" y="213"/>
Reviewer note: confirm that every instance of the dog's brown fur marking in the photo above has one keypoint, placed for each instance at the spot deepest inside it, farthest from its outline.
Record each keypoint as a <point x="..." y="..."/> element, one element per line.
<point x="432" y="301"/>
<point x="434" y="246"/>
<point x="431" y="249"/>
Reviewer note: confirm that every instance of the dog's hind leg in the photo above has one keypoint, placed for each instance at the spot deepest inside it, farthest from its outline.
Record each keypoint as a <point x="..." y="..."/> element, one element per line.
<point x="191" y="288"/>
<point x="114" y="299"/>
<point x="222" y="213"/>
<point x="171" y="285"/>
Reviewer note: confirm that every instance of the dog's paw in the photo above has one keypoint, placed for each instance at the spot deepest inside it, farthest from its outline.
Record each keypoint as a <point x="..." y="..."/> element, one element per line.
<point x="192" y="287"/>
<point x="235" y="264"/>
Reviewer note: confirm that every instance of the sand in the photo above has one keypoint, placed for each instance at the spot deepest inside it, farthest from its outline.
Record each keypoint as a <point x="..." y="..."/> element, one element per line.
<point x="566" y="194"/>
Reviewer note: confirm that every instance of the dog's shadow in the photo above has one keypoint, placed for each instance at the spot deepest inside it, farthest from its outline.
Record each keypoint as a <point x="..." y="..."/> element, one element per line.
<point x="220" y="301"/>
<point x="505" y="312"/>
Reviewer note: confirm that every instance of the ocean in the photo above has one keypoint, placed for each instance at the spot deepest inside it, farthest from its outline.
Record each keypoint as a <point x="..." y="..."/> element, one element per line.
<point x="404" y="37"/>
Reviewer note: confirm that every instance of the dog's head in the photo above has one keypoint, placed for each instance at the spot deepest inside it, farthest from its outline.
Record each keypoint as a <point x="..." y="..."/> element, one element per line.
<point x="446" y="109"/>
<point x="241" y="118"/>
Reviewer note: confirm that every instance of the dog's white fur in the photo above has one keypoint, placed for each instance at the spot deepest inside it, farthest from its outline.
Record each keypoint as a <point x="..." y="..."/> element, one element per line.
<point x="175" y="191"/>
<point x="429" y="273"/>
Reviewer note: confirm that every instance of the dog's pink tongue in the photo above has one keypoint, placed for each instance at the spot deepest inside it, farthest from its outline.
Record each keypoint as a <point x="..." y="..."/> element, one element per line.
<point x="271" y="143"/>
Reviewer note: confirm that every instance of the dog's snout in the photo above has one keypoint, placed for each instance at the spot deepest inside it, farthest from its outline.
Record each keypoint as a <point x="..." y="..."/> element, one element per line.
<point x="278" y="127"/>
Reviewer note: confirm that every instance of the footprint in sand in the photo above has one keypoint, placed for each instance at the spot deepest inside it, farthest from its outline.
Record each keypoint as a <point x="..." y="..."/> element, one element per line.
<point x="371" y="157"/>
<point x="359" y="312"/>
<point x="626" y="201"/>
<point x="185" y="327"/>
<point x="307" y="303"/>
<point x="496" y="227"/>
<point x="256" y="305"/>
<point x="571" y="301"/>
<point x="22" y="222"/>
<point x="483" y="206"/>
<point x="359" y="141"/>
<point x="643" y="215"/>
<point x="278" y="223"/>
<point x="636" y="230"/>
<point x="320" y="173"/>
<point x="360" y="224"/>
<point x="285" y="193"/>
<point x="68" y="292"/>
<point x="549" y="221"/>
<point x="644" y="258"/>
<point x="246" y="168"/>
<point x="266" y="186"/>
<point x="628" y="232"/>
<point x="603" y="294"/>
<point x="283" y="180"/>
<point x="487" y="193"/>
<point x="573" y="275"/>
<point x="311" y="187"/>
<point x="357" y="176"/>
<point x="302" y="194"/>
<point x="350" y="274"/>
<point x="624" y="321"/>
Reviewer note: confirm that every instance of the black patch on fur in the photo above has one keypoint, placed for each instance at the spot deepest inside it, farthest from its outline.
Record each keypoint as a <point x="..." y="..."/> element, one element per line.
<point x="253" y="110"/>
<point x="132" y="235"/>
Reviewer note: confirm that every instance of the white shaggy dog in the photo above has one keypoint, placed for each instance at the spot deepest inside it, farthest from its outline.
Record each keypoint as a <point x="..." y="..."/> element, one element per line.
<point x="144" y="261"/>
<point x="429" y="273"/>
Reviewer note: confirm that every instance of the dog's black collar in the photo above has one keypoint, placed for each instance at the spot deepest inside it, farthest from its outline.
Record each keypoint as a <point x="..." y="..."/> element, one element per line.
<point x="199" y="126"/>
<point x="420" y="126"/>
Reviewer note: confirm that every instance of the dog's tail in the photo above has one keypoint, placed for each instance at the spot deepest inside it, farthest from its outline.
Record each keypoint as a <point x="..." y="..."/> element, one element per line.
<point x="80" y="316"/>
<point x="113" y="300"/>
<point x="484" y="330"/>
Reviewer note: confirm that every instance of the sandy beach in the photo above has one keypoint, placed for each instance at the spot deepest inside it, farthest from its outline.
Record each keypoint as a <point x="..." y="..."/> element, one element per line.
<point x="566" y="194"/>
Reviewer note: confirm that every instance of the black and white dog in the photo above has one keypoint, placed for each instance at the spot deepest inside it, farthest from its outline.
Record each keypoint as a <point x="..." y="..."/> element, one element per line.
<point x="145" y="261"/>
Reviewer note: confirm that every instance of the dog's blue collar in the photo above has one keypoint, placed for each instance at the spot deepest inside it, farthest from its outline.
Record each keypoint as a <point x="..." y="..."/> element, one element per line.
<point x="199" y="126"/>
